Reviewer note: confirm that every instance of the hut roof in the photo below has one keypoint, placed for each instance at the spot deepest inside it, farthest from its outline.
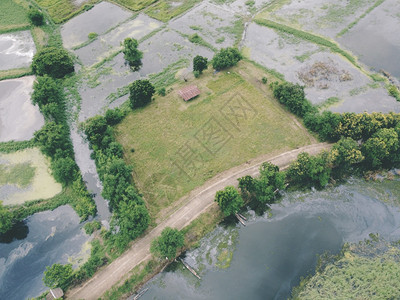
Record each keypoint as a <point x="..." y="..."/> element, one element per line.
<point x="189" y="92"/>
<point x="54" y="294"/>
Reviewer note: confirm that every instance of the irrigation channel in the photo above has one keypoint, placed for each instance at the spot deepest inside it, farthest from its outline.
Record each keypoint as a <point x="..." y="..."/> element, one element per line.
<point x="266" y="259"/>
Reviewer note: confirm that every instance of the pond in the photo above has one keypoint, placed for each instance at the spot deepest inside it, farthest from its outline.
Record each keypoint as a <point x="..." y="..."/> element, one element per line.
<point x="16" y="50"/>
<point x="46" y="238"/>
<point x="270" y="254"/>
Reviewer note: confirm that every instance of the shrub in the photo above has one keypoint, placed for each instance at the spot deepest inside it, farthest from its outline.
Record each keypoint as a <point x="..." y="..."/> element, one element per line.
<point x="161" y="91"/>
<point x="91" y="227"/>
<point x="225" y="58"/>
<point x="264" y="80"/>
<point x="199" y="64"/>
<point x="92" y="35"/>
<point x="131" y="53"/>
<point x="52" y="61"/>
<point x="114" y="116"/>
<point x="141" y="92"/>
<point x="35" y="17"/>
<point x="293" y="96"/>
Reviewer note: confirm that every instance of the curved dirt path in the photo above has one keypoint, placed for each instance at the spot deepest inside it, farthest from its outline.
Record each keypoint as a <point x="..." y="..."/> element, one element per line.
<point x="198" y="201"/>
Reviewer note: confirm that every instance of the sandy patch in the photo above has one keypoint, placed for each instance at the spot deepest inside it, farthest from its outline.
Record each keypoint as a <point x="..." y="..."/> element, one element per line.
<point x="16" y="50"/>
<point x="19" y="119"/>
<point x="43" y="185"/>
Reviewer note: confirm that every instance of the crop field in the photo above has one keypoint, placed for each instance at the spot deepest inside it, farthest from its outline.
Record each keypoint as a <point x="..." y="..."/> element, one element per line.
<point x="13" y="15"/>
<point x="62" y="10"/>
<point x="176" y="146"/>
<point x="165" y="10"/>
<point x="25" y="176"/>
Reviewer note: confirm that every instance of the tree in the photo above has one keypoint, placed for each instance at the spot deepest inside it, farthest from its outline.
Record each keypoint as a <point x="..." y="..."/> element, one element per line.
<point x="308" y="171"/>
<point x="58" y="276"/>
<point x="293" y="96"/>
<point x="35" y="16"/>
<point x="229" y="200"/>
<point x="168" y="243"/>
<point x="52" y="61"/>
<point x="379" y="149"/>
<point x="52" y="137"/>
<point x="95" y="128"/>
<point x="131" y="53"/>
<point x="5" y="219"/>
<point x="133" y="219"/>
<point x="64" y="170"/>
<point x="199" y="63"/>
<point x="45" y="91"/>
<point x="141" y="92"/>
<point x="344" y="154"/>
<point x="225" y="58"/>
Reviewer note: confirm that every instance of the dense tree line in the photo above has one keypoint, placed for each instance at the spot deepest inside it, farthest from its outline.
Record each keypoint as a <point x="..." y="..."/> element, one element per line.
<point x="365" y="141"/>
<point x="131" y="217"/>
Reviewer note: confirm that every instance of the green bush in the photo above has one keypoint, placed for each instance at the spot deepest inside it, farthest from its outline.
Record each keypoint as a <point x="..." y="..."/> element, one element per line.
<point x="293" y="96"/>
<point x="35" y="17"/>
<point x="225" y="58"/>
<point x="168" y="243"/>
<point x="52" y="61"/>
<point x="161" y="91"/>
<point x="91" y="227"/>
<point x="92" y="35"/>
<point x="141" y="92"/>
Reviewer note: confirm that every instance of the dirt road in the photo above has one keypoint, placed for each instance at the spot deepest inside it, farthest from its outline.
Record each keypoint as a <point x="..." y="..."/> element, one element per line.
<point x="198" y="201"/>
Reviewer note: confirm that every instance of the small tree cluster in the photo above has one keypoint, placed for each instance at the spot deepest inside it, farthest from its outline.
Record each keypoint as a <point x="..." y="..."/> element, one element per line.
<point x="293" y="96"/>
<point x="263" y="190"/>
<point x="168" y="243"/>
<point x="229" y="200"/>
<point x="58" y="276"/>
<point x="225" y="58"/>
<point x="131" y="53"/>
<point x="52" y="61"/>
<point x="141" y="92"/>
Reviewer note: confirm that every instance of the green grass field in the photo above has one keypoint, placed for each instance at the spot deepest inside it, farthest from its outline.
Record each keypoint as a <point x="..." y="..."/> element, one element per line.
<point x="165" y="10"/>
<point x="176" y="146"/>
<point x="13" y="15"/>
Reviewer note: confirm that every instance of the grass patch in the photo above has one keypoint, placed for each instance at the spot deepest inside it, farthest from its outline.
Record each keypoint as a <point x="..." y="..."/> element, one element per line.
<point x="13" y="15"/>
<point x="327" y="103"/>
<point x="356" y="275"/>
<point x="197" y="39"/>
<point x="63" y="10"/>
<point x="236" y="30"/>
<point x="309" y="37"/>
<point x="15" y="73"/>
<point x="393" y="91"/>
<point x="19" y="174"/>
<point x="165" y="10"/>
<point x="162" y="170"/>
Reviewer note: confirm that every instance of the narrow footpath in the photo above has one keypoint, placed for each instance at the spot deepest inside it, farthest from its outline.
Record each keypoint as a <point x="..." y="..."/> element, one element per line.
<point x="198" y="202"/>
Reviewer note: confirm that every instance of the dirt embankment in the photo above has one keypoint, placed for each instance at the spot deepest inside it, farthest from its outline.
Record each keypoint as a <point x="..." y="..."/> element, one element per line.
<point x="197" y="202"/>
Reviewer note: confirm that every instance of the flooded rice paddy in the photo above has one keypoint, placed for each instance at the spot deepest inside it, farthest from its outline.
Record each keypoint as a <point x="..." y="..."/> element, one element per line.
<point x="19" y="118"/>
<point x="266" y="259"/>
<point x="42" y="185"/>
<point x="16" y="50"/>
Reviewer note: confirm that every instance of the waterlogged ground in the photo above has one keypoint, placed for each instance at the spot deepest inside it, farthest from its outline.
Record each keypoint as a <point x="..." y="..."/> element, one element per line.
<point x="16" y="50"/>
<point x="52" y="237"/>
<point x="266" y="259"/>
<point x="41" y="186"/>
<point x="99" y="19"/>
<point x="19" y="119"/>
<point x="381" y="49"/>
<point x="325" y="74"/>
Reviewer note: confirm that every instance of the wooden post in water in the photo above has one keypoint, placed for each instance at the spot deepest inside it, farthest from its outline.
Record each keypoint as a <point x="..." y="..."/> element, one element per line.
<point x="190" y="269"/>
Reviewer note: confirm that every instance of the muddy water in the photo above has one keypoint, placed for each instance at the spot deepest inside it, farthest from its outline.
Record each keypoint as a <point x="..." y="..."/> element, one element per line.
<point x="19" y="119"/>
<point x="270" y="254"/>
<point x="16" y="50"/>
<point x="47" y="238"/>
<point x="89" y="174"/>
